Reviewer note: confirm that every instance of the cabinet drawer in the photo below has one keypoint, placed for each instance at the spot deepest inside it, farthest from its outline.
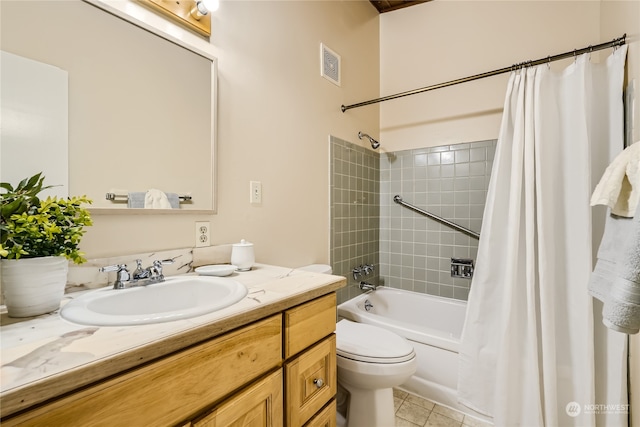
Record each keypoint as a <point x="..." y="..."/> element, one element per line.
<point x="310" y="381"/>
<point x="259" y="405"/>
<point x="308" y="323"/>
<point x="172" y="389"/>
<point x="324" y="418"/>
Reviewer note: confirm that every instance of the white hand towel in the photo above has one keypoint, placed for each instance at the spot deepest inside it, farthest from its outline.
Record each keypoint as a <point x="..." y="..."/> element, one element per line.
<point x="174" y="200"/>
<point x="619" y="187"/>
<point x="621" y="310"/>
<point x="156" y="199"/>
<point x="135" y="200"/>
<point x="616" y="230"/>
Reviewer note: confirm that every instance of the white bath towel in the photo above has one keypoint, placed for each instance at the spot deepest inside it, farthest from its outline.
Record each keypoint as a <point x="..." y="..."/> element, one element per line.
<point x="156" y="199"/>
<point x="619" y="187"/>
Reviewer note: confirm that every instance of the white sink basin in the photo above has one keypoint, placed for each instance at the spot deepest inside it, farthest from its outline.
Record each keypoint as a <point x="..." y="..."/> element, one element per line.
<point x="175" y="298"/>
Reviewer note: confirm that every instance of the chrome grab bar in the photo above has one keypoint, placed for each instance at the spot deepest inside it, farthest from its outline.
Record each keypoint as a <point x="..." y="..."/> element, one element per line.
<point x="453" y="225"/>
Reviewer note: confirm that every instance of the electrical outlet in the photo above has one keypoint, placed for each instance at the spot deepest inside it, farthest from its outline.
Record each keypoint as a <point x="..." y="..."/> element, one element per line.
<point x="203" y="234"/>
<point x="255" y="192"/>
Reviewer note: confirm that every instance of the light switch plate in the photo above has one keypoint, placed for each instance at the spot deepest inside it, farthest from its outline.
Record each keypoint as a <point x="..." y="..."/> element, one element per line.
<point x="255" y="196"/>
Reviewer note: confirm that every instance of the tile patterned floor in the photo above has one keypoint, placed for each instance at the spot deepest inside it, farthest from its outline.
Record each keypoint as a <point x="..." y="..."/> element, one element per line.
<point x="414" y="411"/>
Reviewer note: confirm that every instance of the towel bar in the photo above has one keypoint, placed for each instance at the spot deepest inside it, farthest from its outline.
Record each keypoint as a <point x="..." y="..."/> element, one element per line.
<point x="124" y="197"/>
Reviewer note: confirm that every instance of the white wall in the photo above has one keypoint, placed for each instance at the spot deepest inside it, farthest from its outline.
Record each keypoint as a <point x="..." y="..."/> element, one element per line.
<point x="275" y="114"/>
<point x="445" y="40"/>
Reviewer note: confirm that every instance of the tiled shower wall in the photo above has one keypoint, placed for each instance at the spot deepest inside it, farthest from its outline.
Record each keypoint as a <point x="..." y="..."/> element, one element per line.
<point x="449" y="181"/>
<point x="355" y="210"/>
<point x="410" y="251"/>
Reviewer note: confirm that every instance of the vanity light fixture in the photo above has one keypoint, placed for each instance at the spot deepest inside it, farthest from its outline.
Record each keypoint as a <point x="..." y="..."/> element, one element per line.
<point x="203" y="7"/>
<point x="192" y="14"/>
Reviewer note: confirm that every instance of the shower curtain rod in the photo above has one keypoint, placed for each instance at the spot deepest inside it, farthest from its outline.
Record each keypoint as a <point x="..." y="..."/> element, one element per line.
<point x="613" y="43"/>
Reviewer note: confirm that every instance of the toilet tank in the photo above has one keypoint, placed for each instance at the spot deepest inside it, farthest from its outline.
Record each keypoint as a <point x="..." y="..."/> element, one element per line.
<point x="317" y="268"/>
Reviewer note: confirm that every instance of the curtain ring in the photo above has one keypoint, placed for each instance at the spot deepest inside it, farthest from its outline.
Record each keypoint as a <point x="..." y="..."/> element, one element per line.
<point x="590" y="50"/>
<point x="575" y="55"/>
<point x="549" y="62"/>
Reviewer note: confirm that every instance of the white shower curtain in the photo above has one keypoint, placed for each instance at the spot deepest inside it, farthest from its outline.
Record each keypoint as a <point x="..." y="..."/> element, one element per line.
<point x="527" y="354"/>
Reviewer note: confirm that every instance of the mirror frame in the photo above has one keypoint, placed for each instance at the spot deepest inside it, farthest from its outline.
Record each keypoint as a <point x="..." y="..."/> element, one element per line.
<point x="147" y="20"/>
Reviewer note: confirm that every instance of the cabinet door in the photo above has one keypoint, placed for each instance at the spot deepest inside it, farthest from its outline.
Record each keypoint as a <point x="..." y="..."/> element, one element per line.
<point x="260" y="405"/>
<point x="324" y="418"/>
<point x="172" y="389"/>
<point x="311" y="381"/>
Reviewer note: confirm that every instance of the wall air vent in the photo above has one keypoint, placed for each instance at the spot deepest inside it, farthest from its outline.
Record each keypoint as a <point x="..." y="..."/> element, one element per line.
<point x="329" y="64"/>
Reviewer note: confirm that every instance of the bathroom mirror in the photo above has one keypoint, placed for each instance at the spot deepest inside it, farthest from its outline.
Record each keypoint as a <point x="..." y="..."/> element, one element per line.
<point x="141" y="105"/>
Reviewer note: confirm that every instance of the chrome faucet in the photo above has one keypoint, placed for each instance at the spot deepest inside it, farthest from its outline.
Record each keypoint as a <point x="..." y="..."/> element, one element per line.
<point x="141" y="273"/>
<point x="365" y="286"/>
<point x="140" y="277"/>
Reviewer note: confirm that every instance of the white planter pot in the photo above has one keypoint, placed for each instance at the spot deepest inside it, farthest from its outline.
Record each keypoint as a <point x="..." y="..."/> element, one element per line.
<point x="33" y="286"/>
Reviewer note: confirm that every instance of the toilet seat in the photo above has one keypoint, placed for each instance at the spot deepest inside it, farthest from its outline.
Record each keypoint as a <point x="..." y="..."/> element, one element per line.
<point x="367" y="343"/>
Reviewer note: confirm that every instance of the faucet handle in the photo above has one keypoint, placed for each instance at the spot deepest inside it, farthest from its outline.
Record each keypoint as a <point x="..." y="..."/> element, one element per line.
<point x="110" y="268"/>
<point x="121" y="276"/>
<point x="357" y="272"/>
<point x="157" y="268"/>
<point x="368" y="268"/>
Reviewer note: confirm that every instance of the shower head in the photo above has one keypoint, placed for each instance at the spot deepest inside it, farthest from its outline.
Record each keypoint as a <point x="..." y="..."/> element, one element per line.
<point x="374" y="144"/>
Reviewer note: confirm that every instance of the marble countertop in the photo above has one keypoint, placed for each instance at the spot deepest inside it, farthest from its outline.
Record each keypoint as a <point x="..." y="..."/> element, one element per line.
<point x="46" y="356"/>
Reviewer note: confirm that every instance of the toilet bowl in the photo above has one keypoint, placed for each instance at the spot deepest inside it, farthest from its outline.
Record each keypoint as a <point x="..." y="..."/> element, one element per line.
<point x="371" y="361"/>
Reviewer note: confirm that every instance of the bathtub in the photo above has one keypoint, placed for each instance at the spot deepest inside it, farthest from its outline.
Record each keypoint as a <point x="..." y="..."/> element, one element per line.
<point x="433" y="326"/>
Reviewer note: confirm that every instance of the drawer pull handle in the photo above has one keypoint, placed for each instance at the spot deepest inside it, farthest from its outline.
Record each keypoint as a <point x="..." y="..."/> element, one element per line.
<point x="318" y="382"/>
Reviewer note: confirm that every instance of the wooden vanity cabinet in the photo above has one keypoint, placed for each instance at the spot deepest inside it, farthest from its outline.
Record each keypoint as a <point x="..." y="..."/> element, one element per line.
<point x="310" y="377"/>
<point x="259" y="405"/>
<point x="172" y="389"/>
<point x="278" y="371"/>
<point x="310" y="354"/>
<point x="310" y="382"/>
<point x="326" y="417"/>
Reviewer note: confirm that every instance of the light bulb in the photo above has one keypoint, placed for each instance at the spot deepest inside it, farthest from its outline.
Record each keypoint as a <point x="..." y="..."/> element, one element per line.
<point x="210" y="5"/>
<point x="203" y="7"/>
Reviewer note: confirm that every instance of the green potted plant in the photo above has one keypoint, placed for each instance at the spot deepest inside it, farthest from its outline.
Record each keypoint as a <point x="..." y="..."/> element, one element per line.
<point x="37" y="240"/>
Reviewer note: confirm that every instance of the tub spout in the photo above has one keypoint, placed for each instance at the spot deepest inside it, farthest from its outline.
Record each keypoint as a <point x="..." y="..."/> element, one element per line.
<point x="367" y="286"/>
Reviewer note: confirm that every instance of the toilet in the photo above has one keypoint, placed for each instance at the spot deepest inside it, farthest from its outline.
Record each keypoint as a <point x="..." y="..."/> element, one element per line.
<point x="371" y="361"/>
<point x="317" y="268"/>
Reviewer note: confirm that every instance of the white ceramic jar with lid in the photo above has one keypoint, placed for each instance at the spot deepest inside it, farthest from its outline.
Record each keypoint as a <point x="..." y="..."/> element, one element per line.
<point x="242" y="255"/>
